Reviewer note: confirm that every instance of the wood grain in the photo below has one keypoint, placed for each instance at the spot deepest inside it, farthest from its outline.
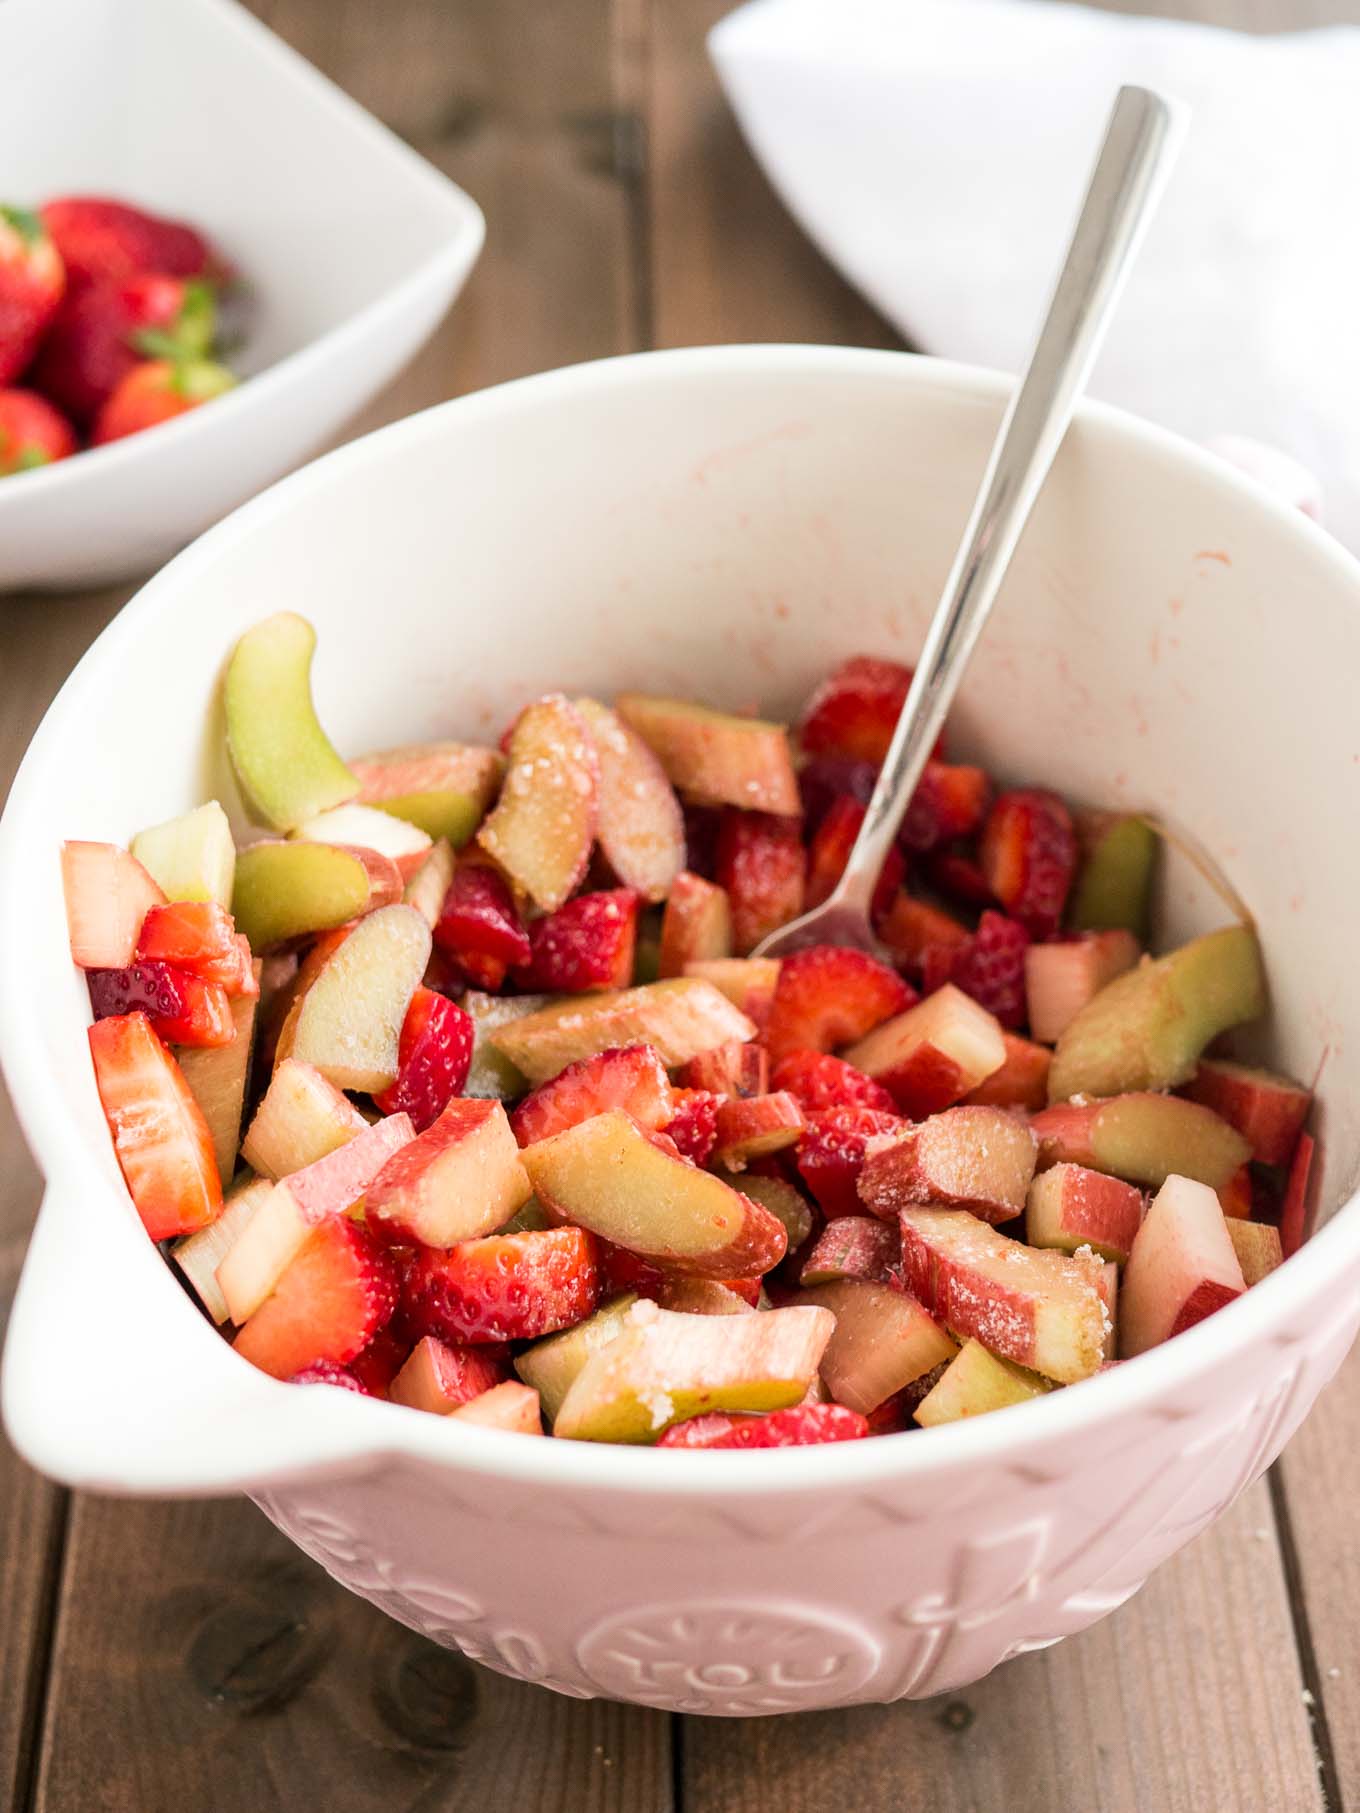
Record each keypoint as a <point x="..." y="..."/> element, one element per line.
<point x="1187" y="1700"/>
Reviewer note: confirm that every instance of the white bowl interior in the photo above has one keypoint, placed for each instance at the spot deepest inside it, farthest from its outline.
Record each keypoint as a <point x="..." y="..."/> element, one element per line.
<point x="727" y="524"/>
<point x="193" y="109"/>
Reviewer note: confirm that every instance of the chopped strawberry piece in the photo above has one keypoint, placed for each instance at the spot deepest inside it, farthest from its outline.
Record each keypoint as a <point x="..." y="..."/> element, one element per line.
<point x="621" y="1270"/>
<point x="798" y="1427"/>
<point x="911" y="927"/>
<point x="818" y="1081"/>
<point x="989" y="965"/>
<point x="328" y="1305"/>
<point x="438" y="1378"/>
<point x="1294" y="1229"/>
<point x="855" y="709"/>
<point x="326" y="1372"/>
<point x="694" y="1124"/>
<point x="1028" y="855"/>
<point x="701" y="838"/>
<point x="949" y="803"/>
<point x="587" y="943"/>
<point x="829" y="996"/>
<point x="759" y="861"/>
<point x="434" y="1056"/>
<point x="731" y="1069"/>
<point x="198" y="936"/>
<point x="893" y="1415"/>
<point x="183" y="1010"/>
<point x="479" y="920"/>
<point x="160" y="1137"/>
<point x="630" y="1077"/>
<point x="1237" y="1196"/>
<point x="827" y="778"/>
<point x="955" y="872"/>
<point x="832" y="1150"/>
<point x="829" y="851"/>
<point x="380" y="1362"/>
<point x="503" y="1287"/>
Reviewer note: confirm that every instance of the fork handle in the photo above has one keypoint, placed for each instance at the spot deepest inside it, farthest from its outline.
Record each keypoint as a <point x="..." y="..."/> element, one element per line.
<point x="1140" y="145"/>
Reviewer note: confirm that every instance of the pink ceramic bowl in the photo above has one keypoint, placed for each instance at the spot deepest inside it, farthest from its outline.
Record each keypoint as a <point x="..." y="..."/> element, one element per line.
<point x="726" y="523"/>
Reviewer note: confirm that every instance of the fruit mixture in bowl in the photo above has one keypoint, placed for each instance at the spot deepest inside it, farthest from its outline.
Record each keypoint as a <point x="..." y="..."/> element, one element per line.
<point x="108" y="326"/>
<point x="459" y="1086"/>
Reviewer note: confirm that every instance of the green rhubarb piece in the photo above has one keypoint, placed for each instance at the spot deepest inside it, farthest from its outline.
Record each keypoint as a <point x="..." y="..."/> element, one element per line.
<point x="551" y="1366"/>
<point x="1114" y="884"/>
<point x="291" y="890"/>
<point x="977" y="1381"/>
<point x="284" y="760"/>
<point x="1147" y="1028"/>
<point x="491" y="1074"/>
<point x="192" y="857"/>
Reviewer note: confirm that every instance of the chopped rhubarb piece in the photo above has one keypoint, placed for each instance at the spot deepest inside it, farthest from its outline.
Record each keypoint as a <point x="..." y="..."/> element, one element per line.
<point x="492" y="1074"/>
<point x="444" y="788"/>
<point x="976" y="1382"/>
<point x="108" y="895"/>
<point x="1143" y="1138"/>
<point x="505" y="1287"/>
<point x="1041" y="1309"/>
<point x="459" y="1179"/>
<point x="1070" y="1207"/>
<point x="663" y="1368"/>
<point x="1237" y="1196"/>
<point x="1107" y="1283"/>
<point x="586" y="944"/>
<point x="199" y="1255"/>
<point x="818" y="1081"/>
<point x="510" y="1407"/>
<point x="478" y="919"/>
<point x="989" y="966"/>
<point x="1147" y="1028"/>
<point x="753" y="1128"/>
<point x="694" y="1123"/>
<point x="355" y="827"/>
<point x="949" y="803"/>
<point x="326" y="1372"/>
<point x="714" y="759"/>
<point x="428" y="888"/>
<point x="197" y="936"/>
<point x="748" y="983"/>
<point x="301" y="1118"/>
<point x="328" y="1305"/>
<point x="1258" y="1247"/>
<point x="679" y="1018"/>
<point x="981" y="1159"/>
<point x="1021" y="1082"/>
<point x="162" y="1142"/>
<point x="831" y="1154"/>
<point x="1266" y="1109"/>
<point x="733" y="1068"/>
<point x="883" y="1340"/>
<point x="829" y="851"/>
<point x="433" y="1058"/>
<point x="827" y="996"/>
<point x="641" y="829"/>
<point x="349" y="1019"/>
<point x="550" y="1365"/>
<point x="1114" y="884"/>
<point x="631" y="1077"/>
<point x="788" y="1205"/>
<point x="706" y="1297"/>
<point x="607" y="1175"/>
<point x="1028" y="854"/>
<point x="218" y="1076"/>
<point x="192" y="857"/>
<point x="283" y="759"/>
<point x="696" y="925"/>
<point x="542" y="827"/>
<point x="759" y="863"/>
<point x="1295" y="1216"/>
<point x="285" y="891"/>
<point x="852" y="1246"/>
<point x="439" y="1378"/>
<point x="798" y="1427"/>
<point x="182" y="1009"/>
<point x="1060" y="979"/>
<point x="911" y="927"/>
<point x="283" y="1222"/>
<point x="854" y="712"/>
<point x="1183" y="1267"/>
<point x="934" y="1054"/>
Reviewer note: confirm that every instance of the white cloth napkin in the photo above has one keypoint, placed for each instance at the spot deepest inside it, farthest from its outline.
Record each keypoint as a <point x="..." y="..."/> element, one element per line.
<point x="937" y="151"/>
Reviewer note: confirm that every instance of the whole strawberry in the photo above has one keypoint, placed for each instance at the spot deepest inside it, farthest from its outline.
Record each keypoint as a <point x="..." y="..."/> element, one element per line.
<point x="100" y="239"/>
<point x="31" y="284"/>
<point x="157" y="392"/>
<point x="32" y="432"/>
<point x="103" y="331"/>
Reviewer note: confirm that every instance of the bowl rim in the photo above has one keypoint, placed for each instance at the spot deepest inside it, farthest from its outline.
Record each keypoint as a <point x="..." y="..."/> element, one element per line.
<point x="326" y="1434"/>
<point x="463" y="235"/>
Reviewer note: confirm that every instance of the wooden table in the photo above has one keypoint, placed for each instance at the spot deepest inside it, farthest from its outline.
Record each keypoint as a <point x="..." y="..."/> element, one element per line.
<point x="181" y="1657"/>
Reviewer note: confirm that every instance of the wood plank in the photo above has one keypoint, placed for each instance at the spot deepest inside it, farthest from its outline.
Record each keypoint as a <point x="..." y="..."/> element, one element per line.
<point x="43" y="638"/>
<point x="1133" y="1714"/>
<point x="1187" y="1700"/>
<point x="205" y="1662"/>
<point x="199" y="1659"/>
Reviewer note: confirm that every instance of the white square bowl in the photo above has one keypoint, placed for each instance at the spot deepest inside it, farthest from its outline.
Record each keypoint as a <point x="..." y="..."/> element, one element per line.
<point x="353" y="247"/>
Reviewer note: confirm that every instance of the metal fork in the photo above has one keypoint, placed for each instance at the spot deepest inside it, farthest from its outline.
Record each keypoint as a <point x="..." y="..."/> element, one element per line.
<point x="1140" y="145"/>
